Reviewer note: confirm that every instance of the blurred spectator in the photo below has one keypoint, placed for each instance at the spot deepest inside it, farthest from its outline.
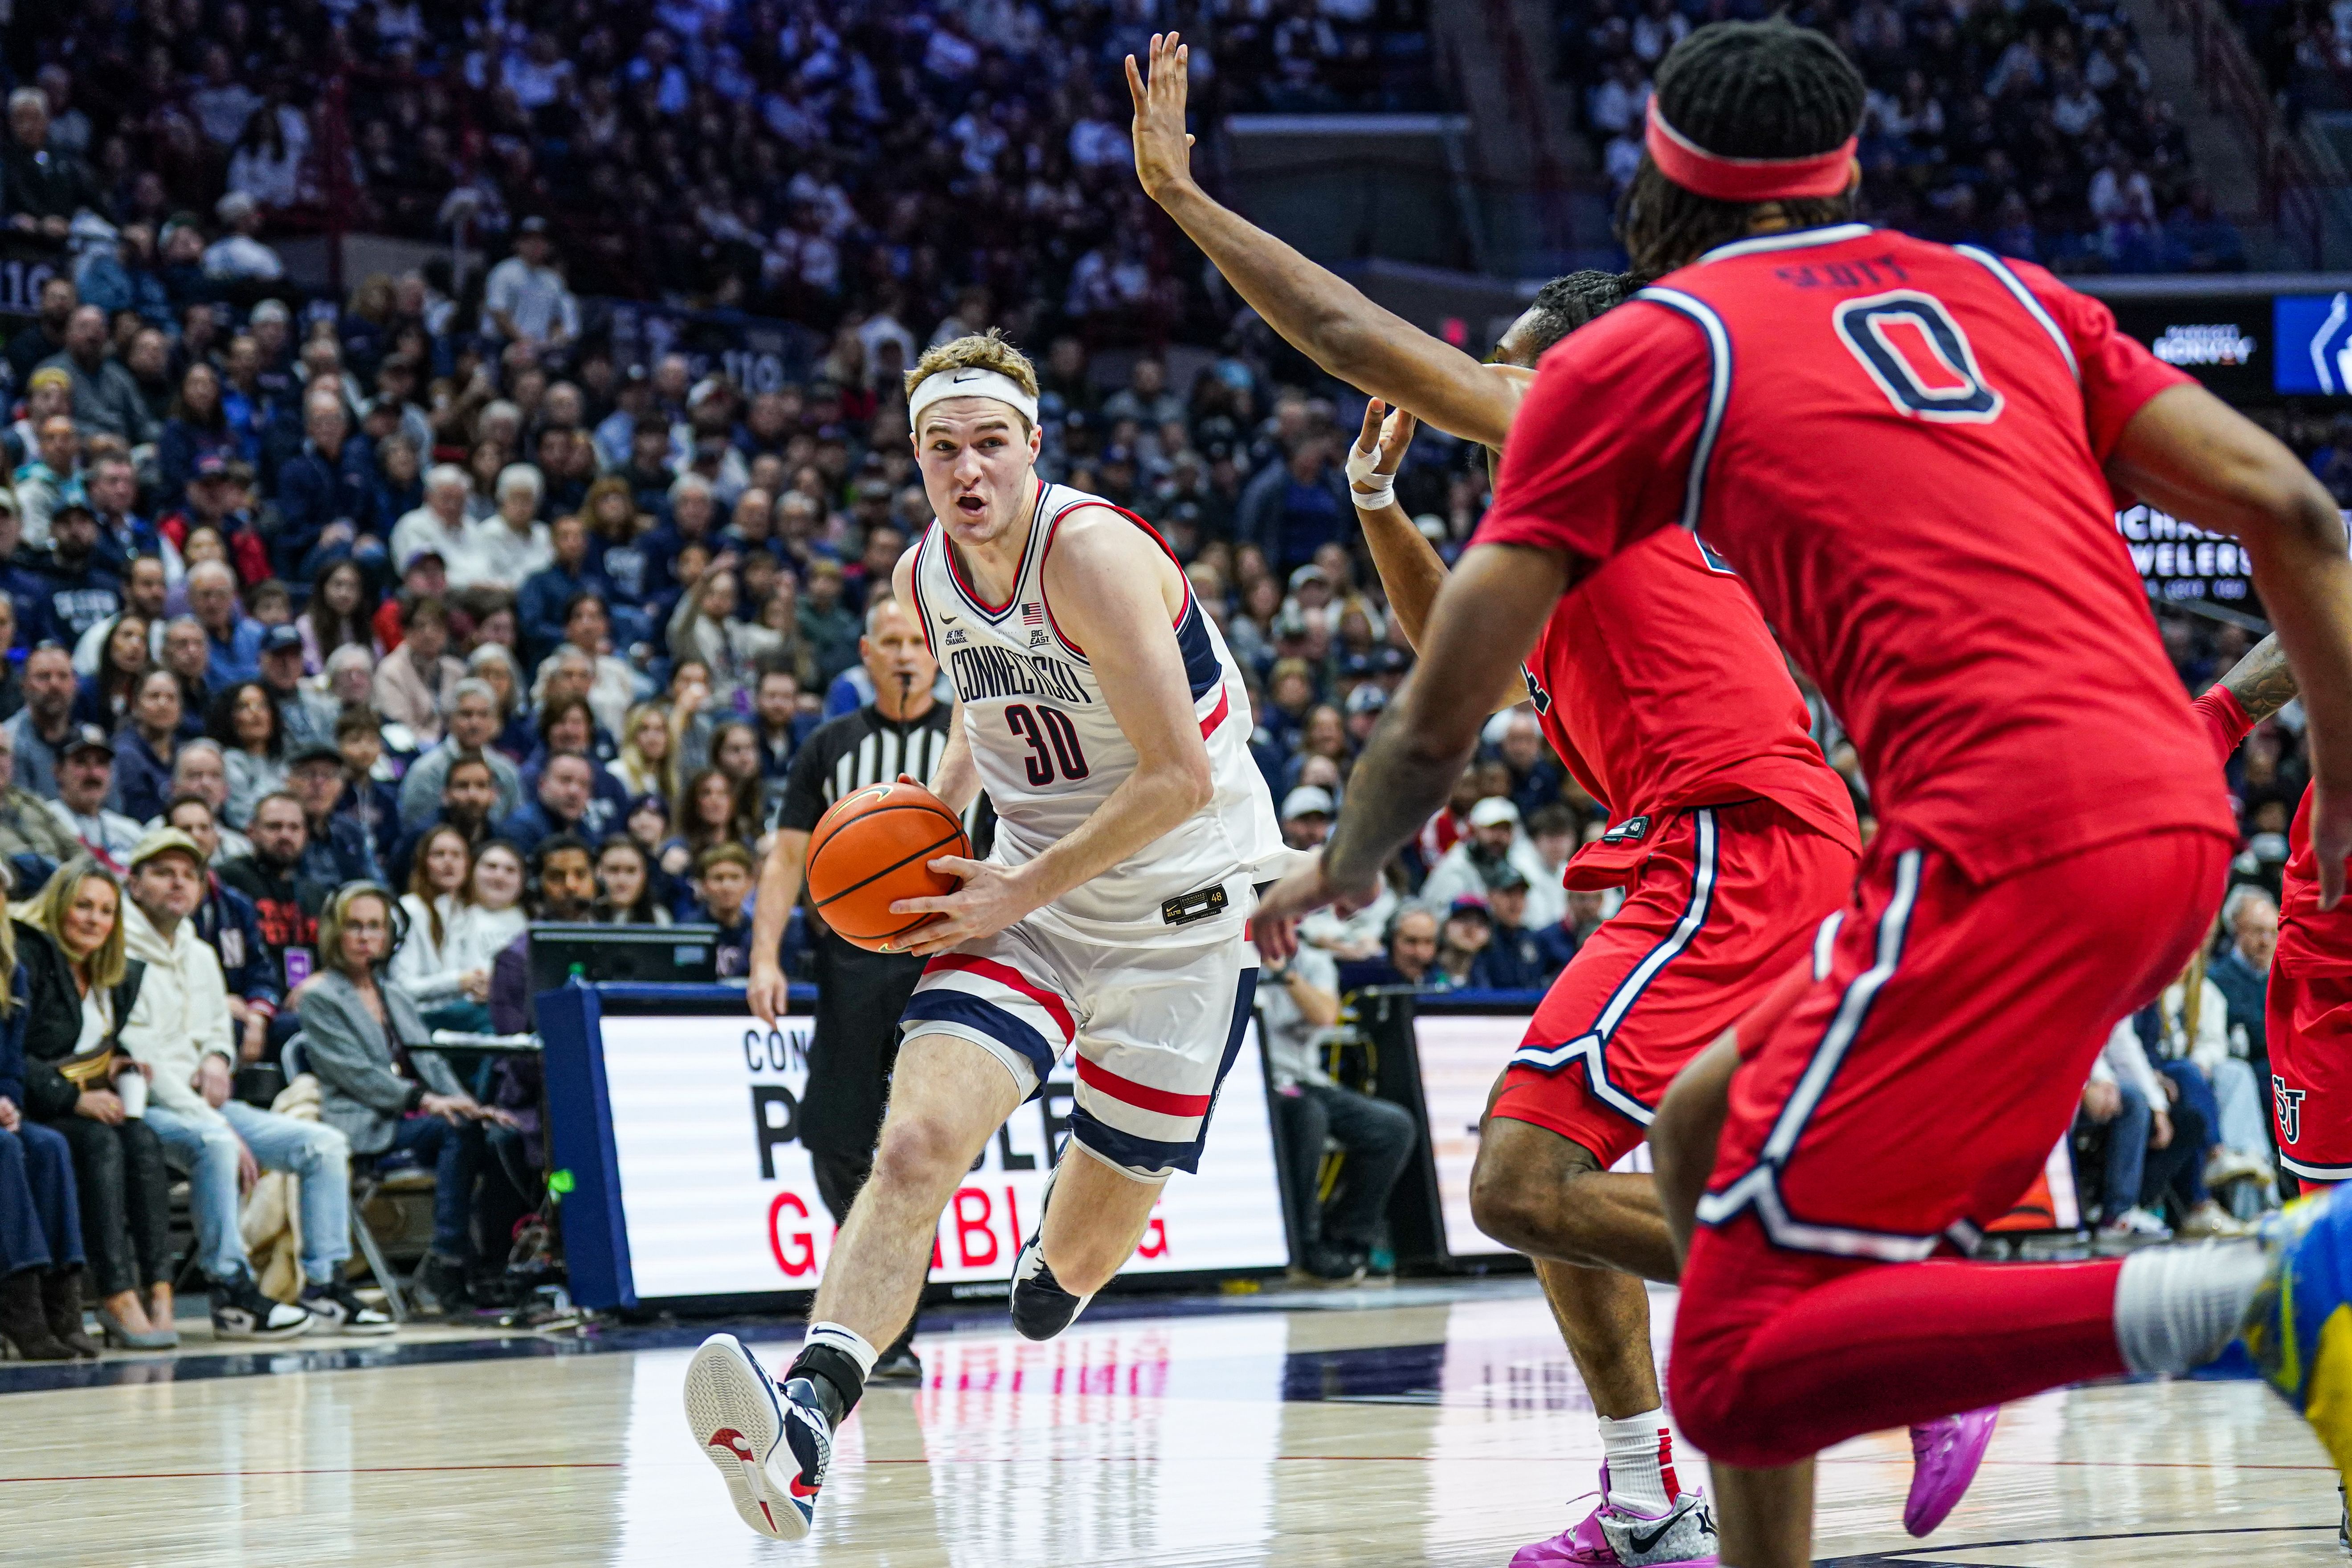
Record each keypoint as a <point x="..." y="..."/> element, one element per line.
<point x="228" y="923"/>
<point x="85" y="782"/>
<point x="1462" y="943"/>
<point x="417" y="682"/>
<point x="29" y="832"/>
<point x="1298" y="1008"/>
<point x="2241" y="974"/>
<point x="43" y="187"/>
<point x="387" y="1091"/>
<point x="147" y="745"/>
<point x="1513" y="960"/>
<point x="723" y="875"/>
<point x="566" y="783"/>
<point x="1494" y="849"/>
<point x="233" y="637"/>
<point x="474" y="722"/>
<point x="41" y="727"/>
<point x="1409" y="958"/>
<point x="106" y="398"/>
<point x="337" y="849"/>
<point x="525" y="298"/>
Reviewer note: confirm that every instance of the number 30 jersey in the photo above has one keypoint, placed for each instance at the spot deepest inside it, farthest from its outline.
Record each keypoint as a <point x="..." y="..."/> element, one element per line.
<point x="1050" y="753"/>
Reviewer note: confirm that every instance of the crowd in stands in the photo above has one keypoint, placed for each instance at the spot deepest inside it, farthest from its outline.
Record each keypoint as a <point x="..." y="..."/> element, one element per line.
<point x="449" y="597"/>
<point x="797" y="159"/>
<point x="2031" y="129"/>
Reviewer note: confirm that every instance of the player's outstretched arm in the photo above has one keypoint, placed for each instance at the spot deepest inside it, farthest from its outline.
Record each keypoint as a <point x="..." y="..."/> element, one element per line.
<point x="1112" y="589"/>
<point x="2191" y="454"/>
<point x="1316" y="311"/>
<point x="1486" y="619"/>
<point x="1411" y="572"/>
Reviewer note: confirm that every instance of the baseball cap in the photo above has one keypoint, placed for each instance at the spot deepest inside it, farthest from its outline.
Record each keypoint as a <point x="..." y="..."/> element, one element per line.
<point x="420" y="554"/>
<point x="1492" y="811"/>
<point x="1310" y="573"/>
<point x="1306" y="800"/>
<point x="212" y="466"/>
<point x="62" y="508"/>
<point x="280" y="639"/>
<point x="1504" y="877"/>
<point x="1366" y="698"/>
<point x="86" y="738"/>
<point x="1468" y="905"/>
<point x="315" y="752"/>
<point x="533" y="224"/>
<point x="165" y="841"/>
<point x="48" y="376"/>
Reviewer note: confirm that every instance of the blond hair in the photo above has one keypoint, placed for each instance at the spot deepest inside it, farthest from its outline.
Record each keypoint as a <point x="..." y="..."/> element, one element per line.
<point x="990" y="349"/>
<point x="44" y="912"/>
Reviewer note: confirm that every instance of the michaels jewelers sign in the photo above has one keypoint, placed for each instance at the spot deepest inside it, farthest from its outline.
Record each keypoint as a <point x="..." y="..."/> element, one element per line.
<point x="2180" y="561"/>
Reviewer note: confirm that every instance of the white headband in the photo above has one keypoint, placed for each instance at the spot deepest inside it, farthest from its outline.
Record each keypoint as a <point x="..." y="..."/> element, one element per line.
<point x="972" y="381"/>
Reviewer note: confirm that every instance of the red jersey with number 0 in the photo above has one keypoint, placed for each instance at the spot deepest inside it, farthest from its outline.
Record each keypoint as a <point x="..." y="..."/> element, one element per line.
<point x="1899" y="446"/>
<point x="1660" y="687"/>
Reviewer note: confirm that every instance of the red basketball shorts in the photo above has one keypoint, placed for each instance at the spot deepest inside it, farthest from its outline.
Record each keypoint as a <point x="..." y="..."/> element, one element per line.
<point x="1726" y="901"/>
<point x="1893" y="1097"/>
<point x="1901" y="1091"/>
<point x="2311" y="1072"/>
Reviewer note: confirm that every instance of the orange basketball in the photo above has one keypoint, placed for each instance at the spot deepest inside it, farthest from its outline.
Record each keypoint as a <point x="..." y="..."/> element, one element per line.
<point x="874" y="848"/>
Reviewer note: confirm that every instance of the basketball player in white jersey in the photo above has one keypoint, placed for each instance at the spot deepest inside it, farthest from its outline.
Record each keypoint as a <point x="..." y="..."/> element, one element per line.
<point x="1102" y="712"/>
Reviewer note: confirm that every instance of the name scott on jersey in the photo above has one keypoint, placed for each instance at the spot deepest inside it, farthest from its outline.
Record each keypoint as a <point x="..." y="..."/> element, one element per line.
<point x="990" y="671"/>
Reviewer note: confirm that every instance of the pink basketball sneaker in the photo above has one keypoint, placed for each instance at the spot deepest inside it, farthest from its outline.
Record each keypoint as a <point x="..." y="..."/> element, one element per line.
<point x="1943" y="1458"/>
<point x="1614" y="1537"/>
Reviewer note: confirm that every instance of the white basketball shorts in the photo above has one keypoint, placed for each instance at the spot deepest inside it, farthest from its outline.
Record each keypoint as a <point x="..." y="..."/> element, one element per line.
<point x="1156" y="1027"/>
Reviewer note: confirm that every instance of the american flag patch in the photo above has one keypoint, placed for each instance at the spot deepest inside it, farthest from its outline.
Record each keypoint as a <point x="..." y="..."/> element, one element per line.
<point x="1032" y="613"/>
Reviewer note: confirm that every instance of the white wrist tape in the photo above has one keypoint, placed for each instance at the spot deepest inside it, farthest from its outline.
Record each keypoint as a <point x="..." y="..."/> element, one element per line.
<point x="1360" y="474"/>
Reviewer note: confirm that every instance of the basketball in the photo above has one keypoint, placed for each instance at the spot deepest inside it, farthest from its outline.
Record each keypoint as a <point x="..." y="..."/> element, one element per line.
<point x="874" y="848"/>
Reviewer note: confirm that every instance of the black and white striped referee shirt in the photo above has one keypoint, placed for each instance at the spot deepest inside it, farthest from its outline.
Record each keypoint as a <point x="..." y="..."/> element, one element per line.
<point x="846" y="754"/>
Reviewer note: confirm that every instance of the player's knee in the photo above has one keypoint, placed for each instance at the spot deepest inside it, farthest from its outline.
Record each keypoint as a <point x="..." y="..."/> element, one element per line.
<point x="916" y="1151"/>
<point x="1523" y="1189"/>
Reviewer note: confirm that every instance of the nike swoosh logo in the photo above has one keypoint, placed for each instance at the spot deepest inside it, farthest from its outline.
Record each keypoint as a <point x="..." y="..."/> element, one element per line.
<point x="1643" y="1545"/>
<point x="947" y="620"/>
<point x="963" y="376"/>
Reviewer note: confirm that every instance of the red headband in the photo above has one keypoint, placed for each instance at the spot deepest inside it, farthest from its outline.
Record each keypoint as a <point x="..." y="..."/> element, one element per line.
<point x="1706" y="174"/>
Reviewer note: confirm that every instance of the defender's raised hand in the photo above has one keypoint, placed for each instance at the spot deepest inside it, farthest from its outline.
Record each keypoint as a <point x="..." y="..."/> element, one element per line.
<point x="1162" y="147"/>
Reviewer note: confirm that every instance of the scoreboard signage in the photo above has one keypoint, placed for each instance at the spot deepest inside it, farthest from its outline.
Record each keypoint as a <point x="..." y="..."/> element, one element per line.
<point x="2224" y="342"/>
<point x="720" y="1196"/>
<point x="2314" y="344"/>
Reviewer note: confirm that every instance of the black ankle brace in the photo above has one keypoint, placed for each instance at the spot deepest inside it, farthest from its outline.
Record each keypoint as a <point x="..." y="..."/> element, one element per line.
<point x="835" y="1374"/>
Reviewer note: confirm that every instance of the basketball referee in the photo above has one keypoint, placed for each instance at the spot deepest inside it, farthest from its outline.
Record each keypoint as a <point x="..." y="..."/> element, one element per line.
<point x="859" y="993"/>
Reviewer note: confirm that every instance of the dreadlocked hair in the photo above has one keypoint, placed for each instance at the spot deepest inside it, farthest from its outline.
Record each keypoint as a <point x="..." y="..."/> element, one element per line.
<point x="1741" y="90"/>
<point x="1572" y="301"/>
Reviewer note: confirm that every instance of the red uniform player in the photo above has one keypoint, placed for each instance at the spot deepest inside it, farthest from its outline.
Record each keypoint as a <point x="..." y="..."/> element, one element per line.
<point x="2309" y="1011"/>
<point x="1905" y="449"/>
<point x="1728" y="831"/>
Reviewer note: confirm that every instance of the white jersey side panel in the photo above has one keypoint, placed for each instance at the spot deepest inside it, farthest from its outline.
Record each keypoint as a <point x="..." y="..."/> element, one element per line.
<point x="1049" y="750"/>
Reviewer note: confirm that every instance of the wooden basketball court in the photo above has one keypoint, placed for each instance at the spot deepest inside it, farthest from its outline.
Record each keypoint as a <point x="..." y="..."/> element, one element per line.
<point x="1438" y="1425"/>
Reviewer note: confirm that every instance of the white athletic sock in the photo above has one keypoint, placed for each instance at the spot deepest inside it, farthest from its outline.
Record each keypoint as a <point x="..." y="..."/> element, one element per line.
<point x="2176" y="1308"/>
<point x="848" y="1340"/>
<point x="1640" y="1461"/>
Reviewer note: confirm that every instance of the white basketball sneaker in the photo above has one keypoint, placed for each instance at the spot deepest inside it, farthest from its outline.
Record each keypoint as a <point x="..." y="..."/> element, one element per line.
<point x="771" y="1443"/>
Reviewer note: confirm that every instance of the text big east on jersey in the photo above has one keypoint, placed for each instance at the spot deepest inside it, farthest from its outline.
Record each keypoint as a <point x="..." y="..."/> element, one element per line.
<point x="1049" y="752"/>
